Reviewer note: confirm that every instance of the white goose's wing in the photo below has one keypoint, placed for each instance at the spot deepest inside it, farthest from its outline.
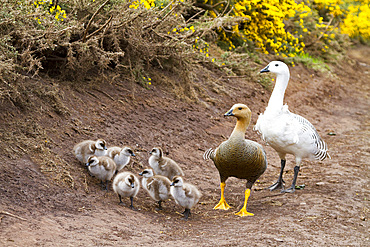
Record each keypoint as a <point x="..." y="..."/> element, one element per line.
<point x="301" y="130"/>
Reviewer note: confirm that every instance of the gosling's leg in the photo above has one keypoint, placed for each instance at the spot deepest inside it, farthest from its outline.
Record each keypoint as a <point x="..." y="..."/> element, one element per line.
<point x="106" y="185"/>
<point x="243" y="211"/>
<point x="159" y="205"/>
<point x="132" y="203"/>
<point x="279" y="184"/>
<point x="120" y="200"/>
<point x="222" y="204"/>
<point x="186" y="213"/>
<point x="291" y="189"/>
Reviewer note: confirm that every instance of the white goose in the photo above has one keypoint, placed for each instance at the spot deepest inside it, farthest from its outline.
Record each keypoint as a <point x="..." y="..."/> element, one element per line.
<point x="286" y="132"/>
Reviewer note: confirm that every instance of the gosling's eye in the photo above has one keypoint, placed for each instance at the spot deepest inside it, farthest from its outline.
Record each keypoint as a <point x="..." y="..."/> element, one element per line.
<point x="240" y="108"/>
<point x="276" y="65"/>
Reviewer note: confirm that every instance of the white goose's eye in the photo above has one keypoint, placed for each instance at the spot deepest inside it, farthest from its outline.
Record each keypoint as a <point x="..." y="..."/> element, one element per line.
<point x="276" y="65"/>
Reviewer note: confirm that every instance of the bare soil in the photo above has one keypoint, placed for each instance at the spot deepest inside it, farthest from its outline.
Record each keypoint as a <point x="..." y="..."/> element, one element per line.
<point x="49" y="199"/>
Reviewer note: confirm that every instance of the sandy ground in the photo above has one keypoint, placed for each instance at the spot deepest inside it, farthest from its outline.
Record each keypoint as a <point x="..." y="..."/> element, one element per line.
<point x="38" y="209"/>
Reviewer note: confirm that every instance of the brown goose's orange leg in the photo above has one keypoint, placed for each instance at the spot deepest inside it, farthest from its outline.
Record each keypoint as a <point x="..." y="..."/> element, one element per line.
<point x="222" y="204"/>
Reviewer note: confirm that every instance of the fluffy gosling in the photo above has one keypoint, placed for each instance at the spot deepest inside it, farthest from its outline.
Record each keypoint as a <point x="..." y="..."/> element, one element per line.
<point x="120" y="155"/>
<point x="164" y="166"/>
<point x="157" y="186"/>
<point x="87" y="148"/>
<point x="126" y="184"/>
<point x="101" y="167"/>
<point x="186" y="195"/>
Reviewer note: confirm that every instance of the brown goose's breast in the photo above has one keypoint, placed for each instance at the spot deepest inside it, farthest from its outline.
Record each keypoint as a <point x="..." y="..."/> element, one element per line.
<point x="244" y="160"/>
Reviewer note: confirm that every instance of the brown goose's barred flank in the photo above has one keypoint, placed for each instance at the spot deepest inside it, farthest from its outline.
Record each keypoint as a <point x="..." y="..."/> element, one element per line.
<point x="286" y="132"/>
<point x="238" y="157"/>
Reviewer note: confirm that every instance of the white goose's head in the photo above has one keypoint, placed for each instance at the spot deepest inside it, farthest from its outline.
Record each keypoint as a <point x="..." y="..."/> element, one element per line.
<point x="276" y="67"/>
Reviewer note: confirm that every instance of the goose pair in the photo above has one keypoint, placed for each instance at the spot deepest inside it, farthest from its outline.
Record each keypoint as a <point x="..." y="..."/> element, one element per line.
<point x="286" y="132"/>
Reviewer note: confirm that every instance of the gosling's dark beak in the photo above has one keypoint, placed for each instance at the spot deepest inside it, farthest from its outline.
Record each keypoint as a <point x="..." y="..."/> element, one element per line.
<point x="105" y="148"/>
<point x="141" y="174"/>
<point x="229" y="113"/>
<point x="132" y="185"/>
<point x="133" y="154"/>
<point x="172" y="184"/>
<point x="266" y="69"/>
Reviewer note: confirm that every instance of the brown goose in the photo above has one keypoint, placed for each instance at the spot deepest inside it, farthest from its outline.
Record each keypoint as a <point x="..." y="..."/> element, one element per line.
<point x="238" y="157"/>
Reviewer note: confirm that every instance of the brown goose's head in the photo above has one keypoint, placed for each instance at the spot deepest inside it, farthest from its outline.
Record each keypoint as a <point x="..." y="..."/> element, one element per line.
<point x="240" y="111"/>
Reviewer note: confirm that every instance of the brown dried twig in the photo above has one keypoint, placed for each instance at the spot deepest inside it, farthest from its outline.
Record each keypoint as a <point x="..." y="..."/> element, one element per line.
<point x="92" y="18"/>
<point x="12" y="215"/>
<point x="95" y="32"/>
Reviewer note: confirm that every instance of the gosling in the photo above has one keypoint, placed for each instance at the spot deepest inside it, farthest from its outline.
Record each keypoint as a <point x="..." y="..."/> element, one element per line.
<point x="164" y="166"/>
<point x="186" y="195"/>
<point x="126" y="184"/>
<point x="87" y="148"/>
<point x="120" y="155"/>
<point x="101" y="167"/>
<point x="157" y="186"/>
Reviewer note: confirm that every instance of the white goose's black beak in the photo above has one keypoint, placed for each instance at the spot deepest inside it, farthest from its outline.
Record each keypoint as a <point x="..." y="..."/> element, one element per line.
<point x="266" y="69"/>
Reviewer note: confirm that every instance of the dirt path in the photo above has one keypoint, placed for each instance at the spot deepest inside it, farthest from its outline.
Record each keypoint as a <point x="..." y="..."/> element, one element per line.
<point x="332" y="209"/>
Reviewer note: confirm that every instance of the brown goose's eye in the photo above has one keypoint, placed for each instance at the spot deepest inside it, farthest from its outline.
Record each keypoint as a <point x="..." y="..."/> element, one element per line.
<point x="240" y="108"/>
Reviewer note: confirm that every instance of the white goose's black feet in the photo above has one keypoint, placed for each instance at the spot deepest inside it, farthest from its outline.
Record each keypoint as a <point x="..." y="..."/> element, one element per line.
<point x="276" y="186"/>
<point x="289" y="190"/>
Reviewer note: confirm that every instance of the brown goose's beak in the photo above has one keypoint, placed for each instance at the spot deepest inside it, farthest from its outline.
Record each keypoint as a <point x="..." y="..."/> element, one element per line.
<point x="229" y="113"/>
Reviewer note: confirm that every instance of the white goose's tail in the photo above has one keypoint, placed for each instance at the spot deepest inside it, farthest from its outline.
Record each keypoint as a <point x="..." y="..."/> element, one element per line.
<point x="322" y="150"/>
<point x="209" y="154"/>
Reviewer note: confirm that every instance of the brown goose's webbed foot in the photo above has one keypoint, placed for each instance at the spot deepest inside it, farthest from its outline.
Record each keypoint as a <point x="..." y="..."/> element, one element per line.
<point x="280" y="182"/>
